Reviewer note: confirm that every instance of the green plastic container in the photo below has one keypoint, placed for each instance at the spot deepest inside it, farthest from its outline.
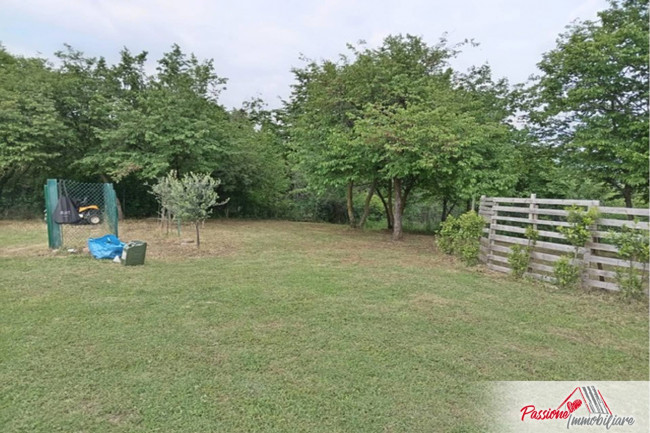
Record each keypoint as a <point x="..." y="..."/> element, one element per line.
<point x="133" y="253"/>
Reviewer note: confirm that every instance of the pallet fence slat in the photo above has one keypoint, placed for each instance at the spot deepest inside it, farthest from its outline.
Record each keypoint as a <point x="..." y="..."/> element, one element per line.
<point x="603" y="285"/>
<point x="511" y="215"/>
<point x="602" y="273"/>
<point x="542" y="233"/>
<point x="501" y="249"/>
<point x="540" y="267"/>
<point x="604" y="247"/>
<point x="640" y="225"/>
<point x="616" y="262"/>
<point x="624" y="211"/>
<point x="540" y="244"/>
<point x="530" y="221"/>
<point x="525" y="210"/>
<point x="496" y="258"/>
<point x="544" y="256"/>
<point x="547" y="201"/>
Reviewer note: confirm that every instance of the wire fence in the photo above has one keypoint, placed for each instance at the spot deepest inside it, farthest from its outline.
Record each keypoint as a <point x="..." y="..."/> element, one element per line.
<point x="96" y="205"/>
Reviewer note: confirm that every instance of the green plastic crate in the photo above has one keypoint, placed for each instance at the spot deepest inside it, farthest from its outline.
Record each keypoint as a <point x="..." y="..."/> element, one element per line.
<point x="134" y="253"/>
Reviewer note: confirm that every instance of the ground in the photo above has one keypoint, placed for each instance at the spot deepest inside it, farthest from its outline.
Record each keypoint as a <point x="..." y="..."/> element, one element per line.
<point x="284" y="327"/>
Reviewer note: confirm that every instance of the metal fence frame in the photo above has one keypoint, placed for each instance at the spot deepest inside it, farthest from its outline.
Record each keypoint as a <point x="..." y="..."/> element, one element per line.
<point x="75" y="235"/>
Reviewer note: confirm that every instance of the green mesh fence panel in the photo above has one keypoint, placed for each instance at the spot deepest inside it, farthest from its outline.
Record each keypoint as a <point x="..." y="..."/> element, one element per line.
<point x="54" y="239"/>
<point x="97" y="206"/>
<point x="110" y="202"/>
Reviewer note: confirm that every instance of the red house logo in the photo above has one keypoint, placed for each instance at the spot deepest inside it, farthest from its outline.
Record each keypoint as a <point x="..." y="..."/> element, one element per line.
<point x="587" y="397"/>
<point x="584" y="406"/>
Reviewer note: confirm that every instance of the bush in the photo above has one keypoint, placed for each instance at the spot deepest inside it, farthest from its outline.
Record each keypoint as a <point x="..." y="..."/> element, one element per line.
<point x="578" y="233"/>
<point x="462" y="236"/>
<point x="448" y="232"/>
<point x="519" y="257"/>
<point x="566" y="273"/>
<point x="633" y="246"/>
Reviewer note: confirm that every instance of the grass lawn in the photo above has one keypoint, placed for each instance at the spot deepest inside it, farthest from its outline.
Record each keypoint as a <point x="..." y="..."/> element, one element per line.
<point x="284" y="327"/>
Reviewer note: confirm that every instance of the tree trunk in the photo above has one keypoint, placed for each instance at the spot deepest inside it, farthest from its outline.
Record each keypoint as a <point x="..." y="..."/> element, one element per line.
<point x="391" y="215"/>
<point x="627" y="195"/>
<point x="350" y="205"/>
<point x="443" y="217"/>
<point x="198" y="238"/>
<point x="366" y="204"/>
<point x="387" y="209"/>
<point x="398" y="210"/>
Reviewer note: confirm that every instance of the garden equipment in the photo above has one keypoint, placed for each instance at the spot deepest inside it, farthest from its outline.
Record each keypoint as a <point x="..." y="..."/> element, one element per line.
<point x="134" y="253"/>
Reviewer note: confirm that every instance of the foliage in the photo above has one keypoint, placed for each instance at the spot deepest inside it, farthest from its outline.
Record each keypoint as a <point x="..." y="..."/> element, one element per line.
<point x="469" y="236"/>
<point x="190" y="198"/>
<point x="633" y="246"/>
<point x="91" y="121"/>
<point x="461" y="236"/>
<point x="448" y="233"/>
<point x="566" y="272"/>
<point x="33" y="138"/>
<point x="590" y="105"/>
<point x="400" y="116"/>
<point x="578" y="232"/>
<point x="519" y="257"/>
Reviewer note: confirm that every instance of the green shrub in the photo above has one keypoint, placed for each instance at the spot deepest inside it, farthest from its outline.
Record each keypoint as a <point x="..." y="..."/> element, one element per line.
<point x="462" y="236"/>
<point x="519" y="257"/>
<point x="448" y="233"/>
<point x="633" y="246"/>
<point x="566" y="273"/>
<point x="468" y="241"/>
<point x="578" y="233"/>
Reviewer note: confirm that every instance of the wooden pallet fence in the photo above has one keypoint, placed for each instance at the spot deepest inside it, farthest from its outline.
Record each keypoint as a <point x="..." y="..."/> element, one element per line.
<point x="506" y="219"/>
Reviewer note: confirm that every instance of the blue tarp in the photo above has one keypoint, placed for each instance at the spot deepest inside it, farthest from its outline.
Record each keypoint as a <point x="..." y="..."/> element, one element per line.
<point x="106" y="247"/>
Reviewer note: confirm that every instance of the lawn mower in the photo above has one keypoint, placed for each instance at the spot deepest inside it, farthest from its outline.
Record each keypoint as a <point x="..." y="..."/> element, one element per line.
<point x="88" y="213"/>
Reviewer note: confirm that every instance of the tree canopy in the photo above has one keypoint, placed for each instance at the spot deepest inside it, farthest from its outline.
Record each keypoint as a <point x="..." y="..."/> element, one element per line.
<point x="590" y="104"/>
<point x="399" y="116"/>
<point x="390" y="132"/>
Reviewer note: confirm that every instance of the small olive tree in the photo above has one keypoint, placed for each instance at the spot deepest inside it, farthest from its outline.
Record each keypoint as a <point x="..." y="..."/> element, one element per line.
<point x="190" y="198"/>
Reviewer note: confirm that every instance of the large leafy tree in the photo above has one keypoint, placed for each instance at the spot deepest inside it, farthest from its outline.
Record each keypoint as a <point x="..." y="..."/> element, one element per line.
<point x="154" y="124"/>
<point x="33" y="138"/>
<point x="398" y="117"/>
<point x="591" y="100"/>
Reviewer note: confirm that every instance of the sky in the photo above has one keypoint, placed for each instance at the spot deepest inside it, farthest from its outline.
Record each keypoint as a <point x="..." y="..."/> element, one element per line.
<point x="256" y="43"/>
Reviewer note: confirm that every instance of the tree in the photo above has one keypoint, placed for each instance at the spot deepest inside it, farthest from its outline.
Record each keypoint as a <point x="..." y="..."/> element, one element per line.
<point x="154" y="124"/>
<point x="253" y="169"/>
<point x="398" y="118"/>
<point x="190" y="198"/>
<point x="590" y="104"/>
<point x="322" y="117"/>
<point x="33" y="138"/>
